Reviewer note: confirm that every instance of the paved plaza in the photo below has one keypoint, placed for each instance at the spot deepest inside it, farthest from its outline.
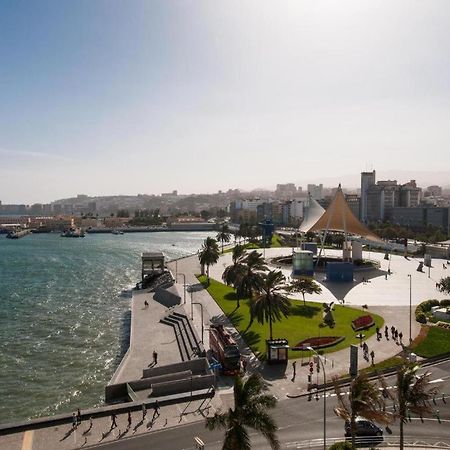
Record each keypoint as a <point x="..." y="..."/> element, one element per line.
<point x="387" y="295"/>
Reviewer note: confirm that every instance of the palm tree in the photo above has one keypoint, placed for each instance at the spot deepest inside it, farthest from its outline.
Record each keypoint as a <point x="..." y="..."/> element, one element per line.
<point x="209" y="254"/>
<point x="305" y="285"/>
<point x="269" y="305"/>
<point x="249" y="281"/>
<point x="251" y="404"/>
<point x="413" y="393"/>
<point x="364" y="399"/>
<point x="224" y="234"/>
<point x="232" y="273"/>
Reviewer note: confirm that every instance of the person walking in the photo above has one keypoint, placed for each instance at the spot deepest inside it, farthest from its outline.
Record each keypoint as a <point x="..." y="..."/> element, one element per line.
<point x="113" y="421"/>
<point x="78" y="417"/>
<point x="74" y="421"/>
<point x="372" y="356"/>
<point x="156" y="410"/>
<point x="155" y="357"/>
<point x="400" y="336"/>
<point x="294" y="368"/>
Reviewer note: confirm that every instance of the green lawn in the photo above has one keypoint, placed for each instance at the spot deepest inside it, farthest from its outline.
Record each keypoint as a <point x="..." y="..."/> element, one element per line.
<point x="436" y="342"/>
<point x="276" y="241"/>
<point x="304" y="322"/>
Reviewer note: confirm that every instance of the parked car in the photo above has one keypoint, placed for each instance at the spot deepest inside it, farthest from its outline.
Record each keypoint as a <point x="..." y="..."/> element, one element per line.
<point x="364" y="427"/>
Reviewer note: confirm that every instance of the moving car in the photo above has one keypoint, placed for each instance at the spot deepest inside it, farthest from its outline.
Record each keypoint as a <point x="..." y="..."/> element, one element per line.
<point x="364" y="427"/>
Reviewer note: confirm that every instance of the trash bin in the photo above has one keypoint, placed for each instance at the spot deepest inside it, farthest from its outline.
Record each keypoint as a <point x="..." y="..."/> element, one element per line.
<point x="277" y="351"/>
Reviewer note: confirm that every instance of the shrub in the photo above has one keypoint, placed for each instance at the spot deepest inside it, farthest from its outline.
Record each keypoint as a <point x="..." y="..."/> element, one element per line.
<point x="445" y="302"/>
<point x="428" y="304"/>
<point x="341" y="446"/>
<point x="421" y="317"/>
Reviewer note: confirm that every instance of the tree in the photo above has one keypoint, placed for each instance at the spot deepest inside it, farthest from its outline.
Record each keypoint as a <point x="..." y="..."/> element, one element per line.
<point x="251" y="405"/>
<point x="364" y="399"/>
<point x="224" y="234"/>
<point x="209" y="254"/>
<point x="250" y="280"/>
<point x="232" y="273"/>
<point x="304" y="285"/>
<point x="444" y="285"/>
<point x="413" y="393"/>
<point x="270" y="305"/>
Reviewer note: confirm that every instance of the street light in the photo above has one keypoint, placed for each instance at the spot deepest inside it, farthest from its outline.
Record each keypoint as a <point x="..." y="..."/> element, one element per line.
<point x="324" y="399"/>
<point x="410" y="301"/>
<point x="184" y="285"/>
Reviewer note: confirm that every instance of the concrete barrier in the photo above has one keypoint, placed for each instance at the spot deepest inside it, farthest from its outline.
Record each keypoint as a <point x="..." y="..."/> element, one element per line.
<point x="199" y="366"/>
<point x="194" y="383"/>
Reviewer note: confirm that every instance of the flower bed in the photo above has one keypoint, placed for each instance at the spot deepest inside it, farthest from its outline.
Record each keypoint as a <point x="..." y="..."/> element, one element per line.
<point x="363" y="322"/>
<point x="318" y="342"/>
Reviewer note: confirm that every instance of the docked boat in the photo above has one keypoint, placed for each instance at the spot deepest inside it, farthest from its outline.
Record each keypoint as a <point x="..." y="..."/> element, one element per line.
<point x="17" y="234"/>
<point x="73" y="232"/>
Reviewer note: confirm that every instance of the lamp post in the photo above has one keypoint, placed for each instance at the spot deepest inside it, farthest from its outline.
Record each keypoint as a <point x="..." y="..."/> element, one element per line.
<point x="184" y="285"/>
<point x="324" y="399"/>
<point x="410" y="302"/>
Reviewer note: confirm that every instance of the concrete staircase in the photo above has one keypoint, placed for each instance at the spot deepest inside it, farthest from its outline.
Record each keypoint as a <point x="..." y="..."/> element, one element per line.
<point x="188" y="343"/>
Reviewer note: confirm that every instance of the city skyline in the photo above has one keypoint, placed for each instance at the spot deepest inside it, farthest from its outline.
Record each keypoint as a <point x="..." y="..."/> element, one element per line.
<point x="110" y="98"/>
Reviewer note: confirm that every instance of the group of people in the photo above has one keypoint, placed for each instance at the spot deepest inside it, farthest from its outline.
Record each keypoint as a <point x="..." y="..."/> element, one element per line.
<point x="396" y="335"/>
<point x="365" y="348"/>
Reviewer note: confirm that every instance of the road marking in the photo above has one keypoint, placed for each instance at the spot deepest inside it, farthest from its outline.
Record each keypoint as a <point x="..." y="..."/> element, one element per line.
<point x="27" y="443"/>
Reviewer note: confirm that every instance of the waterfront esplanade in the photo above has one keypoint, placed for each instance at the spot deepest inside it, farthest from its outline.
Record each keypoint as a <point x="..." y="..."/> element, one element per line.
<point x="152" y="262"/>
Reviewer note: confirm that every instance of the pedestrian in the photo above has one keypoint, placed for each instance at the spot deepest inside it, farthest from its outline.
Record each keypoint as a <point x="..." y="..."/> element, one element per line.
<point x="377" y="329"/>
<point x="129" y="419"/>
<point x="155" y="357"/>
<point x="396" y="334"/>
<point x="372" y="356"/>
<point x="78" y="416"/>
<point x="144" y="411"/>
<point x="113" y="421"/>
<point x="400" y="335"/>
<point x="294" y="368"/>
<point x="392" y="330"/>
<point x="74" y="421"/>
<point x="145" y="303"/>
<point x="389" y="271"/>
<point x="156" y="410"/>
<point x="385" y="276"/>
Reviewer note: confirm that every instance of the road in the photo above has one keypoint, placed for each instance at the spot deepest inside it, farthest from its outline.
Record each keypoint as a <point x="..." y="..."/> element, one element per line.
<point x="300" y="423"/>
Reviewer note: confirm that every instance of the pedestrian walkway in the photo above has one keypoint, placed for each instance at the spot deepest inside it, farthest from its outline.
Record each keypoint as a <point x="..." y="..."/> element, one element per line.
<point x="65" y="437"/>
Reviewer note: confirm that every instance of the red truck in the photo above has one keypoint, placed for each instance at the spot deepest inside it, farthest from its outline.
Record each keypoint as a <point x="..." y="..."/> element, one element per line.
<point x="225" y="350"/>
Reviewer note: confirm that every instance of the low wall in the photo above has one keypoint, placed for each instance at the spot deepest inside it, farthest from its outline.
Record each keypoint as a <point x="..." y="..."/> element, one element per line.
<point x="193" y="383"/>
<point x="198" y="366"/>
<point x="146" y="383"/>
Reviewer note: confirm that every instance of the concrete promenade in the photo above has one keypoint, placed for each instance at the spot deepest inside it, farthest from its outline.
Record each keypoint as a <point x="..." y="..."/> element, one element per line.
<point x="384" y="295"/>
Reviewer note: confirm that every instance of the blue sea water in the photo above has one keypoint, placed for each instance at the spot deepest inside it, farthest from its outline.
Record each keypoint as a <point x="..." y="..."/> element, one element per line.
<point x="63" y="320"/>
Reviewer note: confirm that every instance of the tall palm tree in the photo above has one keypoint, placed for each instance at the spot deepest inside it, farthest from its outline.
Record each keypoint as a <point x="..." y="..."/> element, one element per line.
<point x="224" y="234"/>
<point x="209" y="254"/>
<point x="232" y="273"/>
<point x="251" y="405"/>
<point x="270" y="305"/>
<point x="304" y="285"/>
<point x="364" y="399"/>
<point x="413" y="393"/>
<point x="249" y="281"/>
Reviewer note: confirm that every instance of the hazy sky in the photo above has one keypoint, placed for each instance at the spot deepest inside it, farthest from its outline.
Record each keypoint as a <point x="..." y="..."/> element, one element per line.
<point x="108" y="97"/>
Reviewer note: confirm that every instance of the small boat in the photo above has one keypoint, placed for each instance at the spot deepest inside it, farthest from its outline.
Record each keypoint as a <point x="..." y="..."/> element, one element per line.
<point x="117" y="232"/>
<point x="73" y="232"/>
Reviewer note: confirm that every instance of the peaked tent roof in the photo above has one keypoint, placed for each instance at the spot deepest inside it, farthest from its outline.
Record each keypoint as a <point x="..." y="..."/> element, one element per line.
<point x="339" y="217"/>
<point x="312" y="214"/>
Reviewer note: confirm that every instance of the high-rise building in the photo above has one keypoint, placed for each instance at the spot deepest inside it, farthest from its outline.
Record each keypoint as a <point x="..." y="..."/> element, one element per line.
<point x="316" y="191"/>
<point x="367" y="180"/>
